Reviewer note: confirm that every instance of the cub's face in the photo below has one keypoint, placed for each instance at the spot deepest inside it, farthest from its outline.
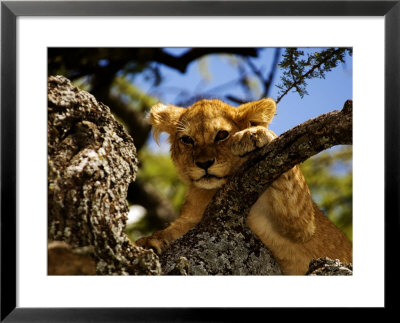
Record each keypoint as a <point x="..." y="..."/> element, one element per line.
<point x="201" y="137"/>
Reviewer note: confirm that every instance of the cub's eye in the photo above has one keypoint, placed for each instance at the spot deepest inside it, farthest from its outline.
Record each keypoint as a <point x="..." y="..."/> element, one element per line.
<point x="186" y="140"/>
<point x="221" y="135"/>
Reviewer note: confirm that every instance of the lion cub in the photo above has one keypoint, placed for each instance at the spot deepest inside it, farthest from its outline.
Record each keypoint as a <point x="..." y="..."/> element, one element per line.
<point x="207" y="142"/>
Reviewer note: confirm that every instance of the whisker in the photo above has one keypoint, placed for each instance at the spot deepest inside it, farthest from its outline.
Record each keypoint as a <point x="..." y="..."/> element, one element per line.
<point x="181" y="126"/>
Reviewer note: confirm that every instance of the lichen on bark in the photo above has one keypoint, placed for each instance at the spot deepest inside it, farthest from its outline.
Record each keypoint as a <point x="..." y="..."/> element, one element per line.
<point x="91" y="161"/>
<point x="222" y="244"/>
<point x="329" y="267"/>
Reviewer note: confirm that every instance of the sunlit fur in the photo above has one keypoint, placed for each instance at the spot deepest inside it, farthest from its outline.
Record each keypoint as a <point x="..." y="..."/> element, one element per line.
<point x="284" y="217"/>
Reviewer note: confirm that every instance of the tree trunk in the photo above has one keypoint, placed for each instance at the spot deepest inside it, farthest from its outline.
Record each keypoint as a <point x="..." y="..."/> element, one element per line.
<point x="91" y="161"/>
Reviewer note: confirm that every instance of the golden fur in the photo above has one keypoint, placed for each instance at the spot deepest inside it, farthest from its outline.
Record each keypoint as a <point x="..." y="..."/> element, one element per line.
<point x="207" y="142"/>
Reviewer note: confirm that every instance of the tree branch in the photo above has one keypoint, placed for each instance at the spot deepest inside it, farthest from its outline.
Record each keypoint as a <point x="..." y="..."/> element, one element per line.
<point x="266" y="82"/>
<point x="223" y="222"/>
<point x="290" y="149"/>
<point x="72" y="57"/>
<point x="180" y="63"/>
<point x="306" y="75"/>
<point x="272" y="73"/>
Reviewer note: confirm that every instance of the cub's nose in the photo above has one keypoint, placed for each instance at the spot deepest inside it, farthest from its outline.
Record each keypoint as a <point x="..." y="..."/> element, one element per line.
<point x="205" y="165"/>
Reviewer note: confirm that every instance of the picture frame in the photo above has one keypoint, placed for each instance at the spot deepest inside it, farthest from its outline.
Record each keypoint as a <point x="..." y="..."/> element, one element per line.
<point x="10" y="10"/>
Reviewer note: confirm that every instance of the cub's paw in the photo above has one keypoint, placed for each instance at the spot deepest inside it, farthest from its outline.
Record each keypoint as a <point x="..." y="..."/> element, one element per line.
<point x="157" y="245"/>
<point x="250" y="139"/>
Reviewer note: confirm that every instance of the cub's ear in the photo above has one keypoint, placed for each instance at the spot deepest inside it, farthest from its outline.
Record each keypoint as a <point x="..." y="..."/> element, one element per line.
<point x="257" y="113"/>
<point x="164" y="118"/>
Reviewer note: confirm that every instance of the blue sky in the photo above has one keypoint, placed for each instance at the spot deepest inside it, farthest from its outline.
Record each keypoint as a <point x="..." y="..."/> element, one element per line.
<point x="324" y="95"/>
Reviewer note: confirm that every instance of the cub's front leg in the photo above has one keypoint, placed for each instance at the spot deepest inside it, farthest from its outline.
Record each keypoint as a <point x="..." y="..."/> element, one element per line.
<point x="191" y="214"/>
<point x="250" y="139"/>
<point x="161" y="240"/>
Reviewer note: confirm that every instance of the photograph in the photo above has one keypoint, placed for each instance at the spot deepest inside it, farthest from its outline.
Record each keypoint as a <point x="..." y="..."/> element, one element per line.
<point x="200" y="161"/>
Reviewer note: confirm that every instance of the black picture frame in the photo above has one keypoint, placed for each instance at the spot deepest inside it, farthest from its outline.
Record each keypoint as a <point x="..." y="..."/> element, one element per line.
<point x="10" y="10"/>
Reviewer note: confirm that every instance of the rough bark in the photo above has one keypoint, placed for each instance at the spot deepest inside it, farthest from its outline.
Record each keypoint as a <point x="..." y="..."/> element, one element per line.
<point x="91" y="161"/>
<point x="329" y="267"/>
<point x="222" y="243"/>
